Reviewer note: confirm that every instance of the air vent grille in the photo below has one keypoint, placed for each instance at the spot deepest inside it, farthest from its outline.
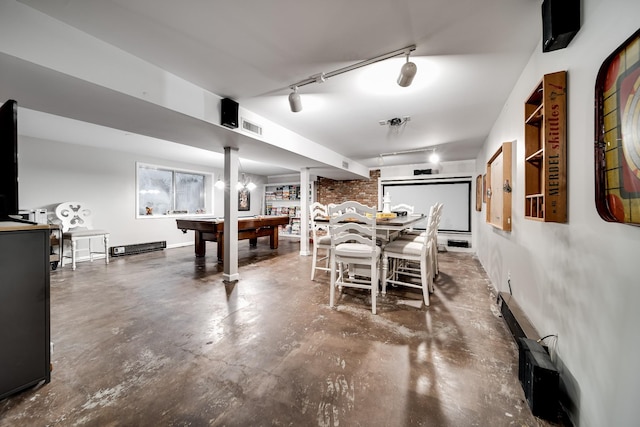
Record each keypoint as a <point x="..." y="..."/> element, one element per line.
<point x="345" y="164"/>
<point x="251" y="127"/>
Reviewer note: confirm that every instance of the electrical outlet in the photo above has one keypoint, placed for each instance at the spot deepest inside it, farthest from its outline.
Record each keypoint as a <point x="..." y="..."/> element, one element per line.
<point x="118" y="250"/>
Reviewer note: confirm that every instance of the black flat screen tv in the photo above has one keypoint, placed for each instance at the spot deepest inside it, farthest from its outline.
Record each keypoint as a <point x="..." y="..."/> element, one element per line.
<point x="8" y="159"/>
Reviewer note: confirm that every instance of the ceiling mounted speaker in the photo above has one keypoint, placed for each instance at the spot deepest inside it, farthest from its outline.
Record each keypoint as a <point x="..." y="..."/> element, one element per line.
<point x="229" y="113"/>
<point x="560" y="23"/>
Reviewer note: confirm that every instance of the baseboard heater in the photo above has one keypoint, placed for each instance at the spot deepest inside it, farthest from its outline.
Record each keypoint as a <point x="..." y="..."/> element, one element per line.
<point x="137" y="248"/>
<point x="536" y="372"/>
<point x="457" y="243"/>
<point x="539" y="378"/>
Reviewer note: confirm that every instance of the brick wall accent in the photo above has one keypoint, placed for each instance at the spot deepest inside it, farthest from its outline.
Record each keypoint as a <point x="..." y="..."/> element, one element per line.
<point x="364" y="191"/>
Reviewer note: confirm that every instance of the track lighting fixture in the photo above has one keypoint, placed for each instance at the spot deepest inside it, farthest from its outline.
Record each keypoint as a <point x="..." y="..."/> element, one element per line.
<point x="407" y="72"/>
<point x="434" y="158"/>
<point x="295" y="103"/>
<point x="219" y="183"/>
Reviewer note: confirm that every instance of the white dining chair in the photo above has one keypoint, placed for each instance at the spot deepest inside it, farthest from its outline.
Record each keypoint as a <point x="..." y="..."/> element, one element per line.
<point x="353" y="246"/>
<point x="435" y="213"/>
<point x="321" y="238"/>
<point x="75" y="219"/>
<point x="407" y="262"/>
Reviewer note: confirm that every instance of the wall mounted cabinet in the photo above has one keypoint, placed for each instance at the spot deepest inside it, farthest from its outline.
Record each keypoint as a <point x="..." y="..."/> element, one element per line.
<point x="545" y="172"/>
<point x="499" y="188"/>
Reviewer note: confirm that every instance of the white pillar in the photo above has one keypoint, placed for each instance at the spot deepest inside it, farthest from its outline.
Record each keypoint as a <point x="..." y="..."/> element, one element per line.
<point x="230" y="263"/>
<point x="304" y="209"/>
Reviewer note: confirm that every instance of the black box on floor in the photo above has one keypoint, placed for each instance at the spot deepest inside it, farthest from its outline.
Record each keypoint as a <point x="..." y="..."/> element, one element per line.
<point x="539" y="379"/>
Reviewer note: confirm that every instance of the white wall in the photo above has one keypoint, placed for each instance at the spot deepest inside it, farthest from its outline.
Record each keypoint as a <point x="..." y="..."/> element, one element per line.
<point x="53" y="172"/>
<point x="580" y="279"/>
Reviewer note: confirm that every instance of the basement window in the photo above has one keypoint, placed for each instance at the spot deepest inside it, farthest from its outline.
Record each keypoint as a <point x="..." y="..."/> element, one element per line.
<point x="164" y="191"/>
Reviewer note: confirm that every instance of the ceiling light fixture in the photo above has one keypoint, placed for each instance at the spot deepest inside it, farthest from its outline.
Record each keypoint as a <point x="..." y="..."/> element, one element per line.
<point x="295" y="103"/>
<point x="434" y="158"/>
<point x="219" y="183"/>
<point x="407" y="73"/>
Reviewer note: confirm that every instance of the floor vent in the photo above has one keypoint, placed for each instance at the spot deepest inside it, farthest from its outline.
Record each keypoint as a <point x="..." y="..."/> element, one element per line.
<point x="137" y="248"/>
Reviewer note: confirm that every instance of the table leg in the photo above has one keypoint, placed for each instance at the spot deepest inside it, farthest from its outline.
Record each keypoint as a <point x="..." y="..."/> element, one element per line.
<point x="253" y="242"/>
<point x="220" y="239"/>
<point x="273" y="240"/>
<point x="201" y="249"/>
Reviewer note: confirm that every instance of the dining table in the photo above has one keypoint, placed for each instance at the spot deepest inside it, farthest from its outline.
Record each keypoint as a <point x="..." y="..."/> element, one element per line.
<point x="388" y="228"/>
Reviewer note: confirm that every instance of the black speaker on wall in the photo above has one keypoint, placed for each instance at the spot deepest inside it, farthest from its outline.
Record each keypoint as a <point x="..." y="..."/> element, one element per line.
<point x="560" y="23"/>
<point x="229" y="113"/>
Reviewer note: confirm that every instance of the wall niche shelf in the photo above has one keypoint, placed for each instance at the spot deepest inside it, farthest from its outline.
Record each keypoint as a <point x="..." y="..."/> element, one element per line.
<point x="545" y="174"/>
<point x="499" y="188"/>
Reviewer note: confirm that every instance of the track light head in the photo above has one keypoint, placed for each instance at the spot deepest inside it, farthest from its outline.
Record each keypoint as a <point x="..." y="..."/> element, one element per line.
<point x="295" y="103"/>
<point x="434" y="158"/>
<point x="407" y="73"/>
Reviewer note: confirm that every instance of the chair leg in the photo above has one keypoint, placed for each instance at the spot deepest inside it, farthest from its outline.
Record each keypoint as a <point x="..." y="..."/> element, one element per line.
<point x="425" y="279"/>
<point x="332" y="287"/>
<point x="385" y="268"/>
<point x="314" y="259"/>
<point x="374" y="286"/>
<point x="106" y="251"/>
<point x="74" y="247"/>
<point x="61" y="251"/>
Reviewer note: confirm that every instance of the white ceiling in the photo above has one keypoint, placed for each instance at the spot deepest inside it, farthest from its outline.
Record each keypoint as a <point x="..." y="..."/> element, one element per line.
<point x="469" y="54"/>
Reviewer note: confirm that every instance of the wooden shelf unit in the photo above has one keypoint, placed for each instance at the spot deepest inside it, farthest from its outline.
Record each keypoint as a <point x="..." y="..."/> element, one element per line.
<point x="499" y="188"/>
<point x="284" y="199"/>
<point x="545" y="171"/>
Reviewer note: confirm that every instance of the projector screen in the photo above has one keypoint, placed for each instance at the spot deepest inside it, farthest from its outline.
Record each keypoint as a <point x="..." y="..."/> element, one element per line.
<point x="454" y="195"/>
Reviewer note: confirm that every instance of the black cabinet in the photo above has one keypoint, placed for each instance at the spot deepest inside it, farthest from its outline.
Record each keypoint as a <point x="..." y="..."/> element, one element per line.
<point x="25" y="358"/>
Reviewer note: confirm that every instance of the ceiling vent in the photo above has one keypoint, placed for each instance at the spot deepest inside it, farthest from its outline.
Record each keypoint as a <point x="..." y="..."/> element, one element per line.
<point x="251" y="127"/>
<point x="345" y="165"/>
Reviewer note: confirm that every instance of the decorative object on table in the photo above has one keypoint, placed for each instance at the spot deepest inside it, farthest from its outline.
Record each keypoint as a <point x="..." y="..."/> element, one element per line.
<point x="244" y="199"/>
<point x="617" y="138"/>
<point x="386" y="203"/>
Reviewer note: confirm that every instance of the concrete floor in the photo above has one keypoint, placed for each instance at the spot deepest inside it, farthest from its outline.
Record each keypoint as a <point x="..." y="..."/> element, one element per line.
<point x="160" y="340"/>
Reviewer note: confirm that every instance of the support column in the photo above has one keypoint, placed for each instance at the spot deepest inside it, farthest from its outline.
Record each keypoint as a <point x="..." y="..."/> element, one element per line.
<point x="304" y="215"/>
<point x="230" y="263"/>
